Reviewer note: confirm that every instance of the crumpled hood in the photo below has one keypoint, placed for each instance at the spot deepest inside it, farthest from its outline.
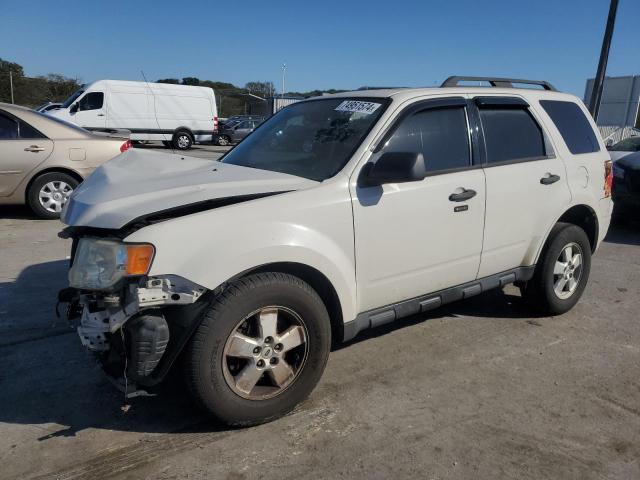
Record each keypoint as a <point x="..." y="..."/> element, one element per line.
<point x="139" y="183"/>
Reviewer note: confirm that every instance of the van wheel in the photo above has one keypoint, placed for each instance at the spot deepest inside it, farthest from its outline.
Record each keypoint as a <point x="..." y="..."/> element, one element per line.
<point x="182" y="140"/>
<point x="260" y="350"/>
<point x="562" y="272"/>
<point x="223" y="140"/>
<point x="49" y="192"/>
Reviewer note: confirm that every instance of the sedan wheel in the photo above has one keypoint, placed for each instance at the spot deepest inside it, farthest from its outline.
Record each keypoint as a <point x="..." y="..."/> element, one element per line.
<point x="53" y="195"/>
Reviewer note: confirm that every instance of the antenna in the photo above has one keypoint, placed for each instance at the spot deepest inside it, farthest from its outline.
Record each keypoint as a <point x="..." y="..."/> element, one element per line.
<point x="155" y="112"/>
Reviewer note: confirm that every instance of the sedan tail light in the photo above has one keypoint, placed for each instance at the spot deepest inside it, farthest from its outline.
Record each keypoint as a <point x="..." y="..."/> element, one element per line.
<point x="608" y="177"/>
<point x="125" y="146"/>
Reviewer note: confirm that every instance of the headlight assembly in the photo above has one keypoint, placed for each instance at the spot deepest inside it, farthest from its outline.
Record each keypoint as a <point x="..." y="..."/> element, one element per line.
<point x="99" y="264"/>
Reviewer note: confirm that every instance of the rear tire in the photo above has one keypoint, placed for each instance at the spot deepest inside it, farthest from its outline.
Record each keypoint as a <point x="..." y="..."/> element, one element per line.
<point x="562" y="271"/>
<point x="218" y="370"/>
<point x="182" y="140"/>
<point x="49" y="192"/>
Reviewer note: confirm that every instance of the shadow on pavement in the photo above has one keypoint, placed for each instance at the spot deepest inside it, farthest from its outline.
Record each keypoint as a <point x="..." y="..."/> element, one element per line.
<point x="18" y="212"/>
<point x="624" y="231"/>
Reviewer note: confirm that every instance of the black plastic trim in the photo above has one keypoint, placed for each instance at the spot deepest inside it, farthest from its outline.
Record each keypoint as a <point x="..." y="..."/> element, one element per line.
<point x="501" y="102"/>
<point x="390" y="313"/>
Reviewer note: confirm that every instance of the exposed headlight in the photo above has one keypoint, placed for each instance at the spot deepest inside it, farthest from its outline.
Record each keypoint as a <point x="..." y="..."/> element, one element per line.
<point x="99" y="264"/>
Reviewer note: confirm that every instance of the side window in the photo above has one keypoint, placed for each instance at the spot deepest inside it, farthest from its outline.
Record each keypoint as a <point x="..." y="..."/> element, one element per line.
<point x="91" y="101"/>
<point x="8" y="128"/>
<point x="510" y="133"/>
<point x="440" y="134"/>
<point x="572" y="125"/>
<point x="13" y="129"/>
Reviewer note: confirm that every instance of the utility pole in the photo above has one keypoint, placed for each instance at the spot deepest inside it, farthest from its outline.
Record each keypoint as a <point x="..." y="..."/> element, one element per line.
<point x="284" y="69"/>
<point x="598" y="82"/>
<point x="11" y="84"/>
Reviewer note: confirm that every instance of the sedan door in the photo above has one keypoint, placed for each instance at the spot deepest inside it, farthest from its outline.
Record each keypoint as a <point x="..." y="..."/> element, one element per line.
<point x="22" y="148"/>
<point x="242" y="130"/>
<point x="420" y="237"/>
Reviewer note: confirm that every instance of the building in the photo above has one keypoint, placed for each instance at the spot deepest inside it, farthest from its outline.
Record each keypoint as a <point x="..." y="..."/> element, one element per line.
<point x="619" y="114"/>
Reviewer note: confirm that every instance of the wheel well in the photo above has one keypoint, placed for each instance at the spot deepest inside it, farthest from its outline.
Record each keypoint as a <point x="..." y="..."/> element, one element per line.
<point x="320" y="283"/>
<point x="584" y="217"/>
<point x="66" y="171"/>
<point x="184" y="129"/>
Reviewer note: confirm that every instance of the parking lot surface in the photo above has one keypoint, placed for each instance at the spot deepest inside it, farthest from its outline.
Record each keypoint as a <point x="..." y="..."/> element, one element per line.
<point x="479" y="389"/>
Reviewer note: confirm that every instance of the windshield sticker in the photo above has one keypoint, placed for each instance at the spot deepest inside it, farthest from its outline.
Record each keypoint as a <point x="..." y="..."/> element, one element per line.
<point x="358" y="107"/>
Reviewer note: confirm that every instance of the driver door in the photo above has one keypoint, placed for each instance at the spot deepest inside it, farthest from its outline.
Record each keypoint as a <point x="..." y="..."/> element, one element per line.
<point x="414" y="238"/>
<point x="91" y="113"/>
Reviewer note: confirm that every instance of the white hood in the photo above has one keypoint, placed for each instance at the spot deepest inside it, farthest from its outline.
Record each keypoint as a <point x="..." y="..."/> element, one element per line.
<point x="139" y="183"/>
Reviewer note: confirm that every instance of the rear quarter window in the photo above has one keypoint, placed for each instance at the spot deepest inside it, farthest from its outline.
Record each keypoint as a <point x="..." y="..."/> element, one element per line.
<point x="572" y="125"/>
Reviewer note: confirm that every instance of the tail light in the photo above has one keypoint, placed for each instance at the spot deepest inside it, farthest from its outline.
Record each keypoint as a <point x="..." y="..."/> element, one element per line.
<point x="125" y="146"/>
<point x="215" y="124"/>
<point x="608" y="177"/>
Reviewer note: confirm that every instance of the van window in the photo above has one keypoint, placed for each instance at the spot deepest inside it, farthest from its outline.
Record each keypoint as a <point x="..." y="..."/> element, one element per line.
<point x="440" y="135"/>
<point x="572" y="125"/>
<point x="91" y="101"/>
<point x="511" y="134"/>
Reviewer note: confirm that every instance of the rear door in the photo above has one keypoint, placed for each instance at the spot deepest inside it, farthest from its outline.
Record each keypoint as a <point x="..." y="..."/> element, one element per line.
<point x="527" y="187"/>
<point x="419" y="237"/>
<point x="22" y="148"/>
<point x="242" y="130"/>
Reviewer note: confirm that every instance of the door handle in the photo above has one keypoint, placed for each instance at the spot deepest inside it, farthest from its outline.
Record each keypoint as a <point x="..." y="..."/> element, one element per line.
<point x="549" y="178"/>
<point x="466" y="194"/>
<point x="34" y="148"/>
<point x="100" y="115"/>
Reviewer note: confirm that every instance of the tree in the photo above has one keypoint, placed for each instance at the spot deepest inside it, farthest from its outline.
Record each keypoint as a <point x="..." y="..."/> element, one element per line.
<point x="191" y="81"/>
<point x="169" y="80"/>
<point x="261" y="89"/>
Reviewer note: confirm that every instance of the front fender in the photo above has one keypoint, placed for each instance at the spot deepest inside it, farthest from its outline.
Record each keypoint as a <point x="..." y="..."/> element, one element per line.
<point x="211" y="247"/>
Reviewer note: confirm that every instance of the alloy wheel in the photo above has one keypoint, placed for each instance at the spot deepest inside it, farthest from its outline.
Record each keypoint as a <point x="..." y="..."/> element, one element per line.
<point x="567" y="271"/>
<point x="265" y="353"/>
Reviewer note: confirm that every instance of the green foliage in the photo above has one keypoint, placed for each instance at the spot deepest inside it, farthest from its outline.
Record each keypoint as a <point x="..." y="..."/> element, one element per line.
<point x="33" y="92"/>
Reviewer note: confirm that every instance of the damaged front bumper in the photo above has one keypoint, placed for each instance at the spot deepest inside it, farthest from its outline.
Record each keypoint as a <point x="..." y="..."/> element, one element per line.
<point x="138" y="331"/>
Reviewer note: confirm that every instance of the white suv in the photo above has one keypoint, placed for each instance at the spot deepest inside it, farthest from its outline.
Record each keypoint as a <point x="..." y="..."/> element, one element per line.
<point x="338" y="214"/>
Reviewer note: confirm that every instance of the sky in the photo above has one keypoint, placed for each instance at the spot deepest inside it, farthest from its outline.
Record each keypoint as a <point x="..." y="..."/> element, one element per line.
<point x="329" y="44"/>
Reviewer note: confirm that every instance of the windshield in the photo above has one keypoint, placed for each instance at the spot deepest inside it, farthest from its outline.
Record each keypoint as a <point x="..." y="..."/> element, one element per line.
<point x="67" y="103"/>
<point x="312" y="139"/>
<point x="628" y="145"/>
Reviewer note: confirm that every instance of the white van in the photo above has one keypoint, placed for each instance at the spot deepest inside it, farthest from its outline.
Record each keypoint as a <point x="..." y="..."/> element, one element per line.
<point x="180" y="115"/>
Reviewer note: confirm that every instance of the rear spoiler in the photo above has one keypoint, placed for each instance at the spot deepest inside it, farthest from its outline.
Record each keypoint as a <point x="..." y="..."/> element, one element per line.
<point x="113" y="133"/>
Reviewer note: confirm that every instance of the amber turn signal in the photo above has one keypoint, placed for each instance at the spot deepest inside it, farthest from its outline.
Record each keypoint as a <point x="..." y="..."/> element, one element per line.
<point x="139" y="258"/>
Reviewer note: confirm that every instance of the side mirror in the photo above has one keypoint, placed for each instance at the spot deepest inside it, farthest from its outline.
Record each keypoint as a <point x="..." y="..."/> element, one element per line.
<point x="74" y="108"/>
<point x="393" y="167"/>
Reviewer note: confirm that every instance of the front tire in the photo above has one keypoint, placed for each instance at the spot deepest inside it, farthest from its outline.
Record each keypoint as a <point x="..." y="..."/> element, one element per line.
<point x="562" y="272"/>
<point x="260" y="349"/>
<point x="49" y="192"/>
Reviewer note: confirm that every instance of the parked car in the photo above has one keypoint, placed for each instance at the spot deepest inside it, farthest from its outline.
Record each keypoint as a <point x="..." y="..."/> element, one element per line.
<point x="180" y="114"/>
<point x="235" y="118"/>
<point x="624" y="147"/>
<point x="626" y="183"/>
<point x="234" y="131"/>
<point x="338" y="214"/>
<point x="47" y="106"/>
<point x="42" y="159"/>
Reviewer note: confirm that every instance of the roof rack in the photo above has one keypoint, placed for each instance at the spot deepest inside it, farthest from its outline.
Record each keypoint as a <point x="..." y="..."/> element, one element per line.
<point x="495" y="82"/>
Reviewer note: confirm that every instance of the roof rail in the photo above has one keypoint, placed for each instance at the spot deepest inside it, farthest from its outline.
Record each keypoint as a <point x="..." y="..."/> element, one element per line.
<point x="495" y="82"/>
